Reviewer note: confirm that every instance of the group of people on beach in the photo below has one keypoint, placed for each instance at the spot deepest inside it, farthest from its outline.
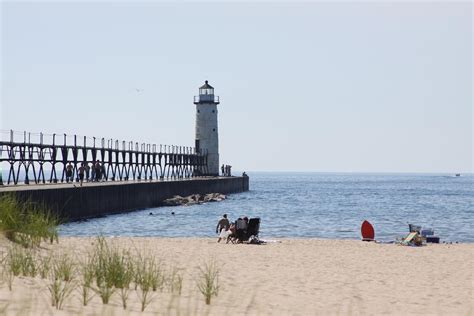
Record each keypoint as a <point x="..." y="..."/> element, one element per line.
<point x="227" y="230"/>
<point x="85" y="172"/>
<point x="225" y="169"/>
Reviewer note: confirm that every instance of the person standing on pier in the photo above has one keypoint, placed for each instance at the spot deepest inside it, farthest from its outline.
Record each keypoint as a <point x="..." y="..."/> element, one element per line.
<point x="97" y="169"/>
<point x="227" y="170"/>
<point x="92" y="172"/>
<point x="81" y="171"/>
<point x="69" y="169"/>
<point x="87" y="168"/>
<point x="223" y="170"/>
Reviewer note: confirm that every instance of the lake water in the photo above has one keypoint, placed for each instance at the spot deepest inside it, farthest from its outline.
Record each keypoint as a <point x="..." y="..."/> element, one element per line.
<point x="321" y="205"/>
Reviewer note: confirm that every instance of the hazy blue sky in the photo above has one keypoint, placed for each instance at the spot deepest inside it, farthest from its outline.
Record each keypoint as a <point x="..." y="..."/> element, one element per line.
<point x="304" y="87"/>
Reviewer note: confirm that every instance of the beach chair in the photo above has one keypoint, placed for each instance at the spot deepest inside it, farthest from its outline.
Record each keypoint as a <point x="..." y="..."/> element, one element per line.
<point x="413" y="239"/>
<point x="245" y="230"/>
<point x="232" y="236"/>
<point x="414" y="228"/>
<point x="409" y="238"/>
<point x="254" y="227"/>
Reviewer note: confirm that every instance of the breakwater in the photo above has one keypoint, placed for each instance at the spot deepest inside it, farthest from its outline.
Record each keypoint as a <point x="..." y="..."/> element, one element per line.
<point x="73" y="202"/>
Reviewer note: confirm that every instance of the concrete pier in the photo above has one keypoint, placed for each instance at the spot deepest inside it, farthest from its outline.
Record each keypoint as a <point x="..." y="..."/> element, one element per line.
<point x="73" y="202"/>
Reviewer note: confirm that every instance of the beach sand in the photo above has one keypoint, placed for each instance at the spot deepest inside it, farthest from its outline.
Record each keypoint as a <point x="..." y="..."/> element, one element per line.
<point x="290" y="277"/>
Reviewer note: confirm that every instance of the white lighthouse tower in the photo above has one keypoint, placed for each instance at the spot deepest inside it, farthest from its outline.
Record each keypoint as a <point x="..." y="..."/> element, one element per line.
<point x="207" y="136"/>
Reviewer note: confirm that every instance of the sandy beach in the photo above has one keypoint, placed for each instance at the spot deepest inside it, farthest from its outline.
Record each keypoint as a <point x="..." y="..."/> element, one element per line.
<point x="288" y="277"/>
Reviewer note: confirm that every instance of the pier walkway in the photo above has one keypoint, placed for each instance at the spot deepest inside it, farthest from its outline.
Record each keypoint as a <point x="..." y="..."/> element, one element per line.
<point x="54" y="186"/>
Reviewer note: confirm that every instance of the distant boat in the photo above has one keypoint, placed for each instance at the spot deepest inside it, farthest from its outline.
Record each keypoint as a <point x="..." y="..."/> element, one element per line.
<point x="458" y="174"/>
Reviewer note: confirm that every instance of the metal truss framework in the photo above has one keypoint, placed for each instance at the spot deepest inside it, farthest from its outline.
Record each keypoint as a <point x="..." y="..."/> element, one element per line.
<point x="46" y="163"/>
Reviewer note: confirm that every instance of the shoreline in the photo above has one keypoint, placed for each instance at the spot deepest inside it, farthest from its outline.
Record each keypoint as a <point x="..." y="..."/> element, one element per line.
<point x="295" y="276"/>
<point x="215" y="236"/>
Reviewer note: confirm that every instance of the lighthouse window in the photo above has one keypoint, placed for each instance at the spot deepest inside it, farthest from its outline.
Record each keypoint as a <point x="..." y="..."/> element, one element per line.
<point x="199" y="111"/>
<point x="213" y="129"/>
<point x="213" y="111"/>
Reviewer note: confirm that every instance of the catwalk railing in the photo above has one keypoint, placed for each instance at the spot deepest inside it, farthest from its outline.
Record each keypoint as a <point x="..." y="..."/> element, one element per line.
<point x="43" y="158"/>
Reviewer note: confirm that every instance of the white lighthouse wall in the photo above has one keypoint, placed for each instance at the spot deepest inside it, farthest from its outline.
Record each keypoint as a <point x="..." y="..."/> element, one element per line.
<point x="207" y="133"/>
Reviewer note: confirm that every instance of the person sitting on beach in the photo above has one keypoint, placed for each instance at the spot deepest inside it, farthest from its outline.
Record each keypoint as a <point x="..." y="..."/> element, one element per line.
<point x="230" y="233"/>
<point x="246" y="221"/>
<point x="227" y="234"/>
<point x="241" y="226"/>
<point x="223" y="224"/>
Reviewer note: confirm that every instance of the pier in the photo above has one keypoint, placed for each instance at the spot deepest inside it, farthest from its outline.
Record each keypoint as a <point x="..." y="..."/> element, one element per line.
<point x="73" y="202"/>
<point x="43" y="158"/>
<point x="135" y="176"/>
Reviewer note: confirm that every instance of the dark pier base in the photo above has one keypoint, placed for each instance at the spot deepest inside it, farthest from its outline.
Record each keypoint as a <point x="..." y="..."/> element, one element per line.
<point x="92" y="200"/>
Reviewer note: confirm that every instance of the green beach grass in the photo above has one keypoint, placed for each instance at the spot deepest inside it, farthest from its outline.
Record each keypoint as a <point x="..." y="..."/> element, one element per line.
<point x="27" y="223"/>
<point x="107" y="271"/>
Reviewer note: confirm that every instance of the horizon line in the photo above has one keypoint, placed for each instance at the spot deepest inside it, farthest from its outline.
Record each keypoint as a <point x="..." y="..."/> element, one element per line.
<point x="360" y="172"/>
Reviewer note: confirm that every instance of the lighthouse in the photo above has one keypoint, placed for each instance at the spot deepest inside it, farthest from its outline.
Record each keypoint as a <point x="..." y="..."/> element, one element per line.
<point x="207" y="136"/>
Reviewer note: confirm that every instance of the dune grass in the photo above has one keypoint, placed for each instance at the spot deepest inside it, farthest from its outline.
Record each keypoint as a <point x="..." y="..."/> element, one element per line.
<point x="106" y="270"/>
<point x="60" y="289"/>
<point x="115" y="270"/>
<point x="87" y="275"/>
<point x="208" y="280"/>
<point x="104" y="261"/>
<point x="9" y="277"/>
<point x="175" y="281"/>
<point x="124" y="282"/>
<point x="44" y="266"/>
<point x="21" y="261"/>
<point x="28" y="263"/>
<point x="6" y="272"/>
<point x="64" y="268"/>
<point x="27" y="223"/>
<point x="146" y="277"/>
<point x="13" y="260"/>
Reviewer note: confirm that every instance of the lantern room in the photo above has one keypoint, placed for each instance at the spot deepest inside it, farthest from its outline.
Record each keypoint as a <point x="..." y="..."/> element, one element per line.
<point x="206" y="94"/>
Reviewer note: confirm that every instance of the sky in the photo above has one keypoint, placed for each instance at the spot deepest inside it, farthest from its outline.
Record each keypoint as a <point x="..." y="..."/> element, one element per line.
<point x="308" y="86"/>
